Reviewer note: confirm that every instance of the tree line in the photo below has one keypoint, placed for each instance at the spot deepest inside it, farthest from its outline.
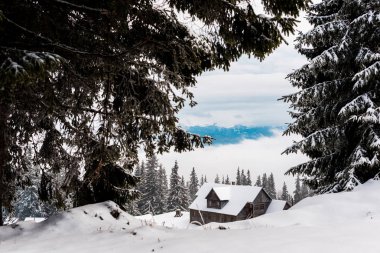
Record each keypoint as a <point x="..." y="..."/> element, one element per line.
<point x="156" y="192"/>
<point x="159" y="195"/>
<point x="267" y="182"/>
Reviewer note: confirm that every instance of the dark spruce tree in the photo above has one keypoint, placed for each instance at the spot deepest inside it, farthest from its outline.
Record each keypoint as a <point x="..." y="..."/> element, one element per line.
<point x="258" y="181"/>
<point x="227" y="181"/>
<point x="238" y="177"/>
<point x="162" y="190"/>
<point x="337" y="109"/>
<point x="91" y="82"/>
<point x="264" y="182"/>
<point x="193" y="185"/>
<point x="285" y="194"/>
<point x="150" y="199"/>
<point x="249" y="180"/>
<point x="217" y="179"/>
<point x="243" y="178"/>
<point x="297" y="194"/>
<point x="175" y="190"/>
<point x="271" y="188"/>
<point x="184" y="195"/>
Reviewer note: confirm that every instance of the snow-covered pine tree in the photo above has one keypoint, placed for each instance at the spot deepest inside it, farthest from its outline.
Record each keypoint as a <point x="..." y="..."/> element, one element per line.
<point x="184" y="195"/>
<point x="285" y="193"/>
<point x="202" y="181"/>
<point x="243" y="178"/>
<point x="304" y="190"/>
<point x="132" y="208"/>
<point x="249" y="180"/>
<point x="223" y="181"/>
<point x="217" y="179"/>
<point x="258" y="181"/>
<point x="193" y="186"/>
<point x="140" y="186"/>
<point x="174" y="197"/>
<point x="151" y="203"/>
<point x="271" y="186"/>
<point x="227" y="180"/>
<point x="162" y="190"/>
<point x="297" y="192"/>
<point x="337" y="108"/>
<point x="238" y="177"/>
<point x="264" y="182"/>
<point x="27" y="202"/>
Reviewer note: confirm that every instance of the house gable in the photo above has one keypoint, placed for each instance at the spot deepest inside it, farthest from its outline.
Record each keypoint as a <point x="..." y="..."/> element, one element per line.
<point x="213" y="200"/>
<point x="217" y="198"/>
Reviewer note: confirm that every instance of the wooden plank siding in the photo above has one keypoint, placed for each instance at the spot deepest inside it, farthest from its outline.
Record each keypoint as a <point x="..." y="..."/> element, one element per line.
<point x="210" y="217"/>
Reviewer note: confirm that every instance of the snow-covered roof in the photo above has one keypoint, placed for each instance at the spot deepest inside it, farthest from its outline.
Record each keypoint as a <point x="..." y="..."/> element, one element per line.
<point x="238" y="196"/>
<point x="224" y="192"/>
<point x="276" y="206"/>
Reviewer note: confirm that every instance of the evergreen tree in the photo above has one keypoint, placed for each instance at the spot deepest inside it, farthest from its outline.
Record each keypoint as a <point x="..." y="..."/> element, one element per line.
<point x="238" y="178"/>
<point x="338" y="107"/>
<point x="258" y="182"/>
<point x="151" y="203"/>
<point x="140" y="186"/>
<point x="202" y="181"/>
<point x="227" y="180"/>
<point x="174" y="196"/>
<point x="285" y="194"/>
<point x="223" y="180"/>
<point x="271" y="186"/>
<point x="132" y="208"/>
<point x="193" y="186"/>
<point x="184" y="195"/>
<point x="27" y="202"/>
<point x="205" y="179"/>
<point x="264" y="182"/>
<point x="297" y="192"/>
<point x="243" y="178"/>
<point x="217" y="180"/>
<point x="81" y="75"/>
<point x="304" y="190"/>
<point x="249" y="181"/>
<point x="162" y="190"/>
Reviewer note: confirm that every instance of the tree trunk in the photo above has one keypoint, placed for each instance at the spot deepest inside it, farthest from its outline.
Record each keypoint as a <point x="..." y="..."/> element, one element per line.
<point x="4" y="114"/>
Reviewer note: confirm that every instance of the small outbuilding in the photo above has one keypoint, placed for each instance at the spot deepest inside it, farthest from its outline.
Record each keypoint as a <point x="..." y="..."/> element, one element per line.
<point x="227" y="203"/>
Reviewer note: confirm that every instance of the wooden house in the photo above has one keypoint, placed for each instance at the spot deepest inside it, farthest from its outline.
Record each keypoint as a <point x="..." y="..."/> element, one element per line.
<point x="227" y="203"/>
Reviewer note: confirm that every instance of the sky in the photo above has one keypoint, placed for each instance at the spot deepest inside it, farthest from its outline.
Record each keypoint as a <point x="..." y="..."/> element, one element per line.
<point x="246" y="96"/>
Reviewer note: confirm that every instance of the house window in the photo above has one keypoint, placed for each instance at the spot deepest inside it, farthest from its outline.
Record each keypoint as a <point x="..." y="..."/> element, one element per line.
<point x="213" y="203"/>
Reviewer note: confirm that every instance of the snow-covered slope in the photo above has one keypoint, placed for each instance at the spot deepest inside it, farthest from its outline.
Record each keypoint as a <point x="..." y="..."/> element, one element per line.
<point x="344" y="222"/>
<point x="167" y="220"/>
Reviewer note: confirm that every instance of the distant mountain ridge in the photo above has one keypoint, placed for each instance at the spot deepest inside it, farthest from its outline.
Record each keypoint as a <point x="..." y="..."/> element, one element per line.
<point x="233" y="135"/>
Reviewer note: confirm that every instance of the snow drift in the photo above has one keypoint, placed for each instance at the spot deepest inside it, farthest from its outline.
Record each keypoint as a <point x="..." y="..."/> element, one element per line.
<point x="342" y="222"/>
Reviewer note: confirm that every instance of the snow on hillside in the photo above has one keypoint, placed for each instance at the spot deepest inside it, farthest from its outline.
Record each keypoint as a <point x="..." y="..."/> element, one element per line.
<point x="167" y="220"/>
<point x="344" y="222"/>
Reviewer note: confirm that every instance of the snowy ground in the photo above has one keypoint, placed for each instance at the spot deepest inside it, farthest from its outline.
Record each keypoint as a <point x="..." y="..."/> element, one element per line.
<point x="168" y="220"/>
<point x="344" y="222"/>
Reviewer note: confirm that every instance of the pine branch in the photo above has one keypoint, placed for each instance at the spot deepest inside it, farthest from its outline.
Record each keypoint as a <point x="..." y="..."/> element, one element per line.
<point x="82" y="7"/>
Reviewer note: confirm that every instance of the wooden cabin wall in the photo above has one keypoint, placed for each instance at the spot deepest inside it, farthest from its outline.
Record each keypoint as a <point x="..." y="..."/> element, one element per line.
<point x="210" y="217"/>
<point x="261" y="203"/>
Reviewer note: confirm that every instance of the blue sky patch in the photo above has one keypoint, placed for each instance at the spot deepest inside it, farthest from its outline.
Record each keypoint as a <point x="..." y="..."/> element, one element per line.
<point x="233" y="135"/>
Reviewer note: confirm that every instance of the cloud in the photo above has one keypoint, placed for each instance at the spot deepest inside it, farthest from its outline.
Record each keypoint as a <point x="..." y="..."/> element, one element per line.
<point x="249" y="89"/>
<point x="259" y="156"/>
